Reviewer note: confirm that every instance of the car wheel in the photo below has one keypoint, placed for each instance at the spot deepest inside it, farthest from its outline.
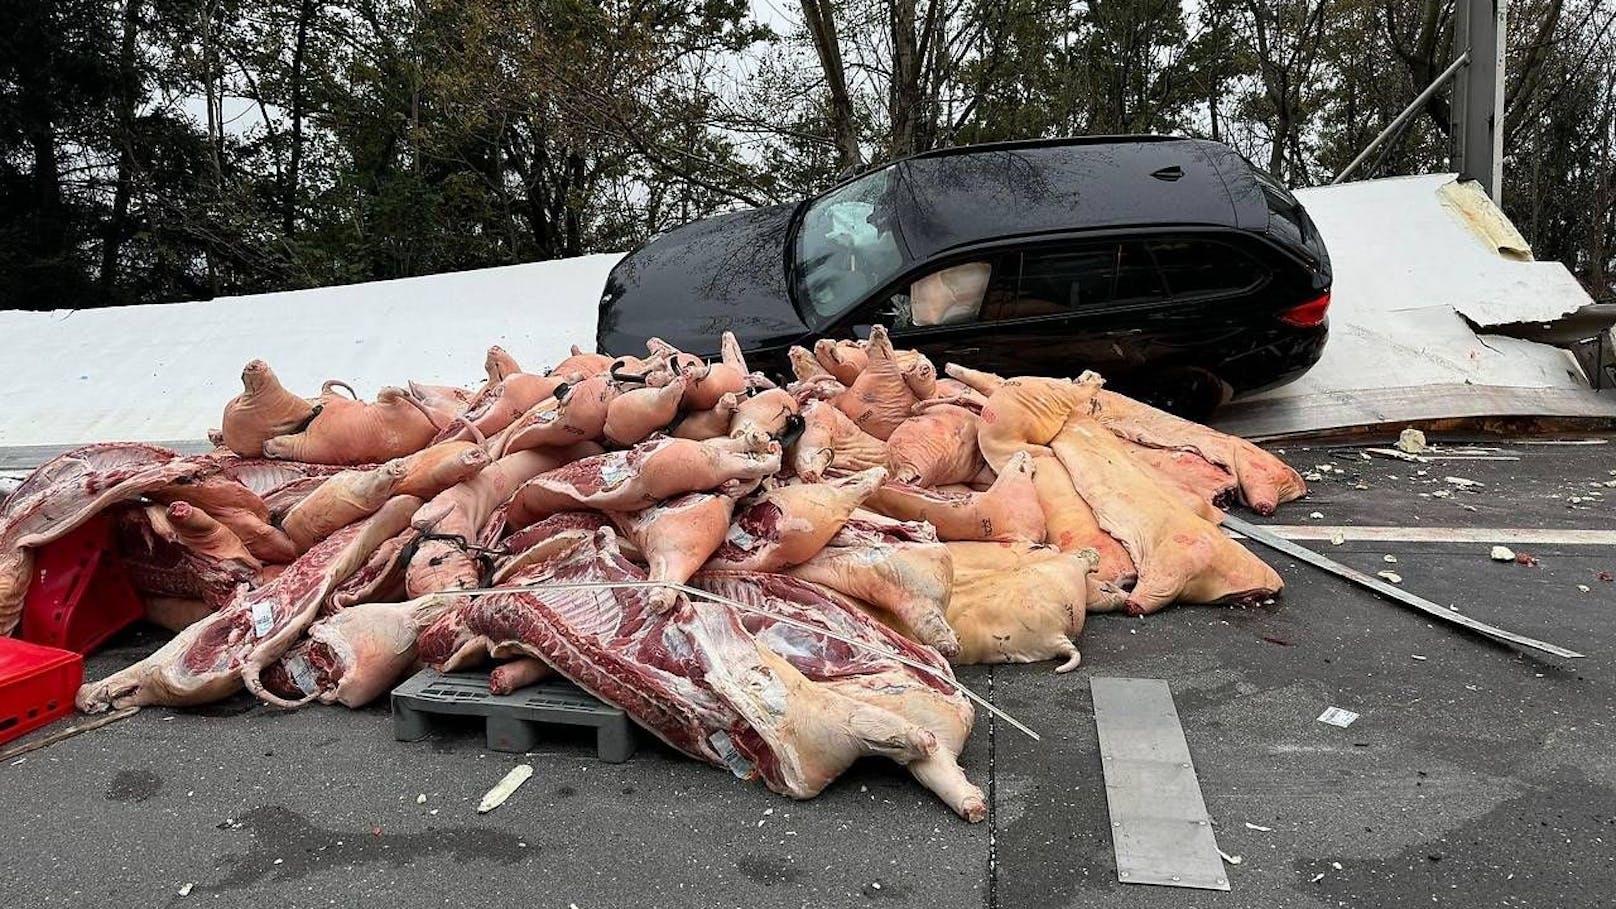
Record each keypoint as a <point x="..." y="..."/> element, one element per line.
<point x="1193" y="394"/>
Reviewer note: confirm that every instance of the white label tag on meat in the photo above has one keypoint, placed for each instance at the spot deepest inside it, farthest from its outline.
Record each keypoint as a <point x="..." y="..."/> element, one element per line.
<point x="263" y="618"/>
<point x="727" y="753"/>
<point x="297" y="666"/>
<point x="740" y="538"/>
<point x="615" y="471"/>
<point x="1335" y="716"/>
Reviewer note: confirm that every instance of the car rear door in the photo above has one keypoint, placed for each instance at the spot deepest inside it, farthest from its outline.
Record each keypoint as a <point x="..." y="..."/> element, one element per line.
<point x="1083" y="304"/>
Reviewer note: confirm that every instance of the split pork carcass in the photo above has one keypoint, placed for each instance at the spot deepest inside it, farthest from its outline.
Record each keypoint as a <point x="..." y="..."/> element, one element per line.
<point x="263" y="410"/>
<point x="229" y="649"/>
<point x="1019" y="602"/>
<point x="1006" y="511"/>
<point x="1180" y="555"/>
<point x="69" y="490"/>
<point x="723" y="694"/>
<point x="800" y="559"/>
<point x="350" y="431"/>
<point x="899" y="569"/>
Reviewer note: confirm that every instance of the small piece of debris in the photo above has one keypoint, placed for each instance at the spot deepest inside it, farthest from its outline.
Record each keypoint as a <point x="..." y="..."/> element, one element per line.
<point x="1411" y="441"/>
<point x="1317" y="877"/>
<point x="1441" y="493"/>
<point x="1258" y="827"/>
<point x="1583" y="587"/>
<point x="1336" y="716"/>
<point x="503" y="789"/>
<point x="1415" y="656"/>
<point x="1463" y="483"/>
<point x="1526" y="558"/>
<point x="1503" y="554"/>
<point x="1336" y="865"/>
<point x="1273" y="640"/>
<point x="1607" y="577"/>
<point x="1316" y="515"/>
<point x="1337" y="538"/>
<point x="1392" y="576"/>
<point x="1389" y="558"/>
<point x="1231" y="859"/>
<point x="186" y="889"/>
<point x="278" y="861"/>
<point x="420" y="799"/>
<point x="1312" y="476"/>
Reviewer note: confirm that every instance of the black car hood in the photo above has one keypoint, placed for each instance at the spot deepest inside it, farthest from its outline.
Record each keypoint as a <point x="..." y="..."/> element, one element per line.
<point x="726" y="273"/>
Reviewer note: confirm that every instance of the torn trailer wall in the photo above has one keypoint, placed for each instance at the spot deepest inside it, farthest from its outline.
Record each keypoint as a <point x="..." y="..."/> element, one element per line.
<point x="1418" y="261"/>
<point x="158" y="373"/>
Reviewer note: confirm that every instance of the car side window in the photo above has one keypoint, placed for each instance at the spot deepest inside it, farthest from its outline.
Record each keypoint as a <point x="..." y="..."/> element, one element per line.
<point x="1053" y="282"/>
<point x="950" y="296"/>
<point x="1195" y="267"/>
<point x="1138" y="278"/>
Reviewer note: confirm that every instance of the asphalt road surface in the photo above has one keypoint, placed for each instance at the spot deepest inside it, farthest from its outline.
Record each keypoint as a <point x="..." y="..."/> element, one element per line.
<point x="1476" y="776"/>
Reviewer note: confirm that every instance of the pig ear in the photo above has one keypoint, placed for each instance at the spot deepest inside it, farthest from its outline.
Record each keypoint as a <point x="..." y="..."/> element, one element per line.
<point x="730" y="347"/>
<point x="629" y="378"/>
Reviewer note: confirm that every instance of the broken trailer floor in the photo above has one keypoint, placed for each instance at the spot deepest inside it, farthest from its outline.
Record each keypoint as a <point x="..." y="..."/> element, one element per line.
<point x="1477" y="776"/>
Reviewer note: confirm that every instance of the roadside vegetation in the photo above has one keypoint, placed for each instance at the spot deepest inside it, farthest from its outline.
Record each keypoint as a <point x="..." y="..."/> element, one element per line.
<point x="160" y="150"/>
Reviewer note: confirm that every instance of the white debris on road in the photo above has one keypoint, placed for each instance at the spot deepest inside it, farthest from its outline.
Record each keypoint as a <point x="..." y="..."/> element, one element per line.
<point x="503" y="789"/>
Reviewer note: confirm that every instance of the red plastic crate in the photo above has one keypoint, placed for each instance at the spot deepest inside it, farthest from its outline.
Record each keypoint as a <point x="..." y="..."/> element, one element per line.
<point x="37" y="685"/>
<point x="80" y="594"/>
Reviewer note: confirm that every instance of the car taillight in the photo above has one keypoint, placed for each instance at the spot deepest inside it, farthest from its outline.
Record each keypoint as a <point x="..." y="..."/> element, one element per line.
<point x="1308" y="315"/>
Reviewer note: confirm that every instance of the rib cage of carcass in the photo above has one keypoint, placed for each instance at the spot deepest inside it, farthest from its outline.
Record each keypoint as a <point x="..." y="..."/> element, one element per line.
<point x="856" y="530"/>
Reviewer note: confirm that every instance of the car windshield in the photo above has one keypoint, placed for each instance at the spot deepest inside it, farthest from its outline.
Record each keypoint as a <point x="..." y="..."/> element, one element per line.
<point x="848" y="244"/>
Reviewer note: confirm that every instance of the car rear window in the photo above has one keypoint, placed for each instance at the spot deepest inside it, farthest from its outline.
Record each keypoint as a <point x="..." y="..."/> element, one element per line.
<point x="1288" y="220"/>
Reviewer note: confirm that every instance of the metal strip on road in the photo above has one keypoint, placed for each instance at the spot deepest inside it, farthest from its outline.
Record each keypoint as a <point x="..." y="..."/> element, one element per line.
<point x="1544" y="536"/>
<point x="1159" y="825"/>
<point x="1297" y="551"/>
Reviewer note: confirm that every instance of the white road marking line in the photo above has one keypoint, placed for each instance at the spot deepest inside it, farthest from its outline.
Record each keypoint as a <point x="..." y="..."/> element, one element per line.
<point x="1498" y="535"/>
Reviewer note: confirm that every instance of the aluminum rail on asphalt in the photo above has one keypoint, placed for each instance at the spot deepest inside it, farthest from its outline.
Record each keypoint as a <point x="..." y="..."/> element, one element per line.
<point x="687" y="590"/>
<point x="1297" y="551"/>
<point x="1160" y="829"/>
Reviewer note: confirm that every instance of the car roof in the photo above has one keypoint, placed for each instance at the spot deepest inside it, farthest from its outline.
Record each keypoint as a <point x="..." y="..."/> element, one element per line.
<point x="956" y="197"/>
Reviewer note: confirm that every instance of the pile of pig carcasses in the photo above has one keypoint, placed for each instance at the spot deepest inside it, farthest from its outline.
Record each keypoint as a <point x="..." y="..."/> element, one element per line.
<point x="774" y="580"/>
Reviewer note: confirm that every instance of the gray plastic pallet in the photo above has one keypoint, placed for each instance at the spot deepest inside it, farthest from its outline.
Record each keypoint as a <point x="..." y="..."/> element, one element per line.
<point x="513" y="720"/>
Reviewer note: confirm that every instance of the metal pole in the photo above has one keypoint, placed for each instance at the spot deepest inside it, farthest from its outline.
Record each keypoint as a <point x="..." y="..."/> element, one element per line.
<point x="1477" y="133"/>
<point x="1400" y="119"/>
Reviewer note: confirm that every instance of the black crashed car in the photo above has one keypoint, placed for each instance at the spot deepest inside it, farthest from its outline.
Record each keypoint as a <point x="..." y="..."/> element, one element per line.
<point x="1174" y="267"/>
